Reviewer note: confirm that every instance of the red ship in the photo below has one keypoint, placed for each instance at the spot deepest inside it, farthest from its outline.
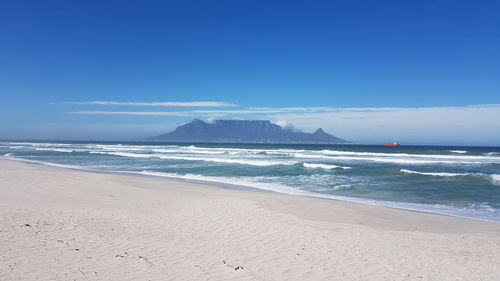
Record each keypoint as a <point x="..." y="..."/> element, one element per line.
<point x="392" y="144"/>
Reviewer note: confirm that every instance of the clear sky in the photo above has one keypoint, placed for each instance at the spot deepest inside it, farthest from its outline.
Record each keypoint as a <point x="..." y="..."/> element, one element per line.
<point x="420" y="72"/>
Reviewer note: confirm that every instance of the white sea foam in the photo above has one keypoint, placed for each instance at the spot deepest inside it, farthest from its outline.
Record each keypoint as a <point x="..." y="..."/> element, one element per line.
<point x="241" y="151"/>
<point x="323" y="166"/>
<point x="458" y="151"/>
<point x="327" y="152"/>
<point x="342" y="187"/>
<point x="247" y="150"/>
<point x="207" y="151"/>
<point x="232" y="160"/>
<point x="395" y="160"/>
<point x="482" y="211"/>
<point x="399" y="158"/>
<point x="163" y="150"/>
<point x="494" y="178"/>
<point x="23" y="143"/>
<point x="371" y="156"/>
<point x="41" y="144"/>
<point x="126" y="154"/>
<point x="212" y="159"/>
<point x="124" y="149"/>
<point x="130" y="147"/>
<point x="49" y="163"/>
<point x="280" y="188"/>
<point x="486" y="158"/>
<point x="55" y="149"/>
<point x="440" y="174"/>
<point x="7" y="154"/>
<point x="180" y="149"/>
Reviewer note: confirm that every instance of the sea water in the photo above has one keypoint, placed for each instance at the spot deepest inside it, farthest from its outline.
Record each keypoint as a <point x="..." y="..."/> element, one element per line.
<point x="461" y="181"/>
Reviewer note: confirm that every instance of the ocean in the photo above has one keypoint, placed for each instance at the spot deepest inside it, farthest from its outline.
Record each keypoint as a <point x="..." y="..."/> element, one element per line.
<point x="460" y="181"/>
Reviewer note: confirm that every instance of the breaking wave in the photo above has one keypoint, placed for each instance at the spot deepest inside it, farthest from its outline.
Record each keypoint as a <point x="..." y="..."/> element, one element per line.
<point x="439" y="174"/>
<point x="230" y="181"/>
<point x="408" y="155"/>
<point x="458" y="151"/>
<point x="323" y="166"/>
<point x="480" y="211"/>
<point x="55" y="149"/>
<point x="394" y="160"/>
<point x="126" y="154"/>
<point x="232" y="161"/>
<point x="190" y="158"/>
<point x="495" y="179"/>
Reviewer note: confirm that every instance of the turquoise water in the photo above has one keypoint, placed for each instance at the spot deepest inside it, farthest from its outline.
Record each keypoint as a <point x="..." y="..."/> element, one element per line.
<point x="463" y="181"/>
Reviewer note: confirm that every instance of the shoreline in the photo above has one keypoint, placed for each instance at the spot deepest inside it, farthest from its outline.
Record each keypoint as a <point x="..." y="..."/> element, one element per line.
<point x="230" y="186"/>
<point x="62" y="224"/>
<point x="249" y="191"/>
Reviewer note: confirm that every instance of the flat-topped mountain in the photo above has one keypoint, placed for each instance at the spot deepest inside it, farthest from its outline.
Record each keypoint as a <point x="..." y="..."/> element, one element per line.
<point x="244" y="131"/>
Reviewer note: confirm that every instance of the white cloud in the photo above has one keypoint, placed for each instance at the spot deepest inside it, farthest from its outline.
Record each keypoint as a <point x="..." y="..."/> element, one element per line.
<point x="238" y="111"/>
<point x="217" y="112"/>
<point x="167" y="103"/>
<point x="292" y="109"/>
<point x="144" y="113"/>
<point x="438" y="125"/>
<point x="284" y="124"/>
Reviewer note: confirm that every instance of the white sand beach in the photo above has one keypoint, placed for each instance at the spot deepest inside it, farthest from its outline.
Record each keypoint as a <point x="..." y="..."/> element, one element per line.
<point x="64" y="224"/>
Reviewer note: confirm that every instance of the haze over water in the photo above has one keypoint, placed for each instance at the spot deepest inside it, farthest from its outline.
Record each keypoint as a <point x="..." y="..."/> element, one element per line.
<point x="463" y="181"/>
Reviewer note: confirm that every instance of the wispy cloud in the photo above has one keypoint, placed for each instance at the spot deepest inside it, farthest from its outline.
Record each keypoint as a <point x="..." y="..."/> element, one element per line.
<point x="143" y="113"/>
<point x="293" y="109"/>
<point x="474" y="124"/>
<point x="191" y="112"/>
<point x="237" y="111"/>
<point x="164" y="103"/>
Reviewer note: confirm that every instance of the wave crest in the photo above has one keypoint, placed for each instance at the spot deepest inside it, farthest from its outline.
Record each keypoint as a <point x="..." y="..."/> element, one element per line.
<point x="458" y="151"/>
<point x="494" y="178"/>
<point x="323" y="166"/>
<point x="438" y="174"/>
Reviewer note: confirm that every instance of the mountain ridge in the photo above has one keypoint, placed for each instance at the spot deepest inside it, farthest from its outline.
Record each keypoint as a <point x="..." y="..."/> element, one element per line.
<point x="244" y="131"/>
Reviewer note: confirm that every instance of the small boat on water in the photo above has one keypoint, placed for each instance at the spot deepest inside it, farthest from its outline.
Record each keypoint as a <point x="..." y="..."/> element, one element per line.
<point x="392" y="144"/>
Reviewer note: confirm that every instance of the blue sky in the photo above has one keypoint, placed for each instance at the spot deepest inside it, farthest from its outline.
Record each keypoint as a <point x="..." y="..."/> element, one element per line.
<point x="421" y="72"/>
